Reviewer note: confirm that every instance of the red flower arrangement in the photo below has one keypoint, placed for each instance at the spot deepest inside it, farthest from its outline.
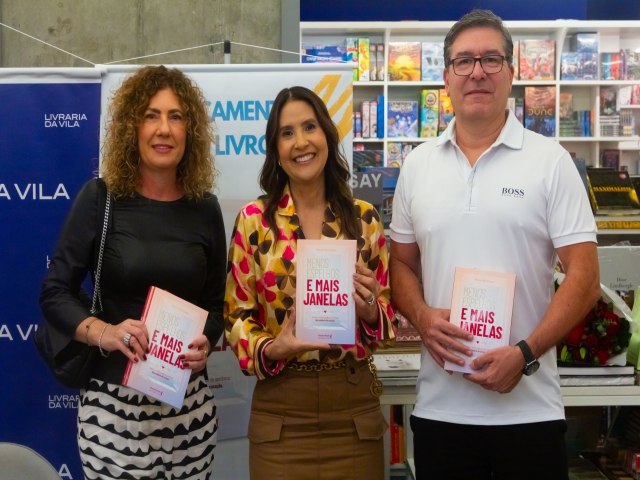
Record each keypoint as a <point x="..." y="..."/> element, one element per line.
<point x="601" y="335"/>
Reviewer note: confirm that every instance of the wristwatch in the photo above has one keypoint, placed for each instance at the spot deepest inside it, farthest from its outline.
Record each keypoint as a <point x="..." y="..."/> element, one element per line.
<point x="531" y="363"/>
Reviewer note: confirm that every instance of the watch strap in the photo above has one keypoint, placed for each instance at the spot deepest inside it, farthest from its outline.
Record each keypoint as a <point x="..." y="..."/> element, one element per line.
<point x="528" y="355"/>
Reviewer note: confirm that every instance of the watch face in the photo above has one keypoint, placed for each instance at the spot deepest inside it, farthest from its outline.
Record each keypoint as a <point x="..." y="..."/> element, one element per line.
<point x="531" y="368"/>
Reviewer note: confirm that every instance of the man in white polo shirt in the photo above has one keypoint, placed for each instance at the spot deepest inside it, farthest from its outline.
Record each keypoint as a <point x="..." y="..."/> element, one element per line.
<point x="492" y="195"/>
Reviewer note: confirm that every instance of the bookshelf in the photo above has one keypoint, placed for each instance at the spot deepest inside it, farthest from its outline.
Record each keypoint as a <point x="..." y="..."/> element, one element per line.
<point x="613" y="36"/>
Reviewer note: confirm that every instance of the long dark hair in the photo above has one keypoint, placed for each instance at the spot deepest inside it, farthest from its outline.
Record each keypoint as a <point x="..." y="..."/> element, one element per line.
<point x="273" y="178"/>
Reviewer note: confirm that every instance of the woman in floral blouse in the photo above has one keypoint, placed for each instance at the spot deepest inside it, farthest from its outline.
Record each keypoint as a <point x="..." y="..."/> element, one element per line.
<point x="315" y="411"/>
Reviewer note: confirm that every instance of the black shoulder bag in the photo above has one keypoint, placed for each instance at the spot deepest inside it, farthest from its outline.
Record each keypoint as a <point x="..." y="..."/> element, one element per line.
<point x="73" y="365"/>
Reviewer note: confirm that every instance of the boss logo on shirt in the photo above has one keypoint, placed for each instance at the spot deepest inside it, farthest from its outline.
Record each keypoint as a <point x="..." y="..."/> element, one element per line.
<point x="512" y="192"/>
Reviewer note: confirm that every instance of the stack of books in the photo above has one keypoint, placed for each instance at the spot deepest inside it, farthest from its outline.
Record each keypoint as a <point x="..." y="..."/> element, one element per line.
<point x="606" y="375"/>
<point x="398" y="362"/>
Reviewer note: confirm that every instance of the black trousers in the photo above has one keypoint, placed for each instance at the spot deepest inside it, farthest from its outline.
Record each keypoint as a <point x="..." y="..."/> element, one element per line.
<point x="530" y="451"/>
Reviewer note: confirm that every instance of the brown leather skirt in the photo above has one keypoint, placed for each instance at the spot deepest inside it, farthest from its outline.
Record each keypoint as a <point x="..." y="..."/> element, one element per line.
<point x="317" y="425"/>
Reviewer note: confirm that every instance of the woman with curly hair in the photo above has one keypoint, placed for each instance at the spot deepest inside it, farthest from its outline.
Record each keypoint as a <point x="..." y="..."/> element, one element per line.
<point x="315" y="411"/>
<point x="165" y="229"/>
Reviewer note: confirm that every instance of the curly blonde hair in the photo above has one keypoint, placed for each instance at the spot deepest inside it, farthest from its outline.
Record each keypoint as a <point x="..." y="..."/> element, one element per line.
<point x="121" y="157"/>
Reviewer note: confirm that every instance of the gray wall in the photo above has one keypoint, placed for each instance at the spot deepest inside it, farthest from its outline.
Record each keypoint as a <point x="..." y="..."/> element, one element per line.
<point x="103" y="31"/>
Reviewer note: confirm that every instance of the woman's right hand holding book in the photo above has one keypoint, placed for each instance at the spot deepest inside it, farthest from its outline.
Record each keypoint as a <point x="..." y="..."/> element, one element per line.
<point x="286" y="345"/>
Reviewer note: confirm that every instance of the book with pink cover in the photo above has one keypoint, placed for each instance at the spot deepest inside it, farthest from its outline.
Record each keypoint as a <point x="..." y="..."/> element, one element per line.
<point x="482" y="304"/>
<point x="172" y="323"/>
<point x="325" y="309"/>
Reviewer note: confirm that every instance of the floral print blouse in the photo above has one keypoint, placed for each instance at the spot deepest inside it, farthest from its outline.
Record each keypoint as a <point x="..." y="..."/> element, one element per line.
<point x="261" y="282"/>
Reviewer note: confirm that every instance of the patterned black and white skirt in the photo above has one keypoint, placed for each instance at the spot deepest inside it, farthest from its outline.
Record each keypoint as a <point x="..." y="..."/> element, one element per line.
<point x="124" y="434"/>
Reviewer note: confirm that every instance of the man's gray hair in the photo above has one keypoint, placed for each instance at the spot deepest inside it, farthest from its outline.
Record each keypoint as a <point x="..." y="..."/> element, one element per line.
<point x="478" y="18"/>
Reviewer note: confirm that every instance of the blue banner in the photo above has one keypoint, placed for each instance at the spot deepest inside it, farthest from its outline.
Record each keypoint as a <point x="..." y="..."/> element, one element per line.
<point x="49" y="146"/>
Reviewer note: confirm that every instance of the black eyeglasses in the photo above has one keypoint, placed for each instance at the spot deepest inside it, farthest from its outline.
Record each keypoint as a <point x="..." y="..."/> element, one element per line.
<point x="463" y="66"/>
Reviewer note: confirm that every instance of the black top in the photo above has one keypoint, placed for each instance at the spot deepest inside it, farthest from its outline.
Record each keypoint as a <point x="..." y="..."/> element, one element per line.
<point x="178" y="246"/>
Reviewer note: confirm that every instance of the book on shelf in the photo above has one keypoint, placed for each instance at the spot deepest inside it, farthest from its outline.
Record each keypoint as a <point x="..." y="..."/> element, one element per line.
<point x="172" y="323"/>
<point x="373" y="119"/>
<point x="578" y="66"/>
<point x="481" y="304"/>
<point x="584" y="42"/>
<point x="445" y="110"/>
<point x="611" y="67"/>
<point x="610" y="126"/>
<point x="610" y="158"/>
<point x="635" y="94"/>
<point x="376" y="61"/>
<point x="367" y="158"/>
<point x="364" y="115"/>
<point x="570" y="66"/>
<point x="324" y="54"/>
<point x="627" y="123"/>
<point x="589" y="66"/>
<point x="363" y="59"/>
<point x="394" y="154"/>
<point x="516" y="59"/>
<point x="572" y="123"/>
<point x="380" y="115"/>
<point x="404" y="61"/>
<point x="429" y="113"/>
<point x="566" y="105"/>
<point x="325" y="308"/>
<point x="380" y="61"/>
<point x="619" y="272"/>
<point x="398" y="151"/>
<point x="357" y="124"/>
<point x="608" y="100"/>
<point x="631" y="64"/>
<point x="626" y="222"/>
<point x="396" y="423"/>
<point x="540" y="109"/>
<point x="351" y="54"/>
<point x="368" y="111"/>
<point x="373" y="63"/>
<point x="519" y="109"/>
<point x="577" y="125"/>
<point x="537" y="59"/>
<point x="611" y="192"/>
<point x="624" y="96"/>
<point x="402" y="118"/>
<point x="432" y="61"/>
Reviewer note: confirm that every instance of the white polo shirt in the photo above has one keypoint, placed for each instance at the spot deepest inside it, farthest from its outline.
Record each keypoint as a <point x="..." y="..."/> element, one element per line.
<point x="523" y="199"/>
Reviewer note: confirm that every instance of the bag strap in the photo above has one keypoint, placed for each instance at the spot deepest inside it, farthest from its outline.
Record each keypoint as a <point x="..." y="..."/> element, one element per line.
<point x="97" y="298"/>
